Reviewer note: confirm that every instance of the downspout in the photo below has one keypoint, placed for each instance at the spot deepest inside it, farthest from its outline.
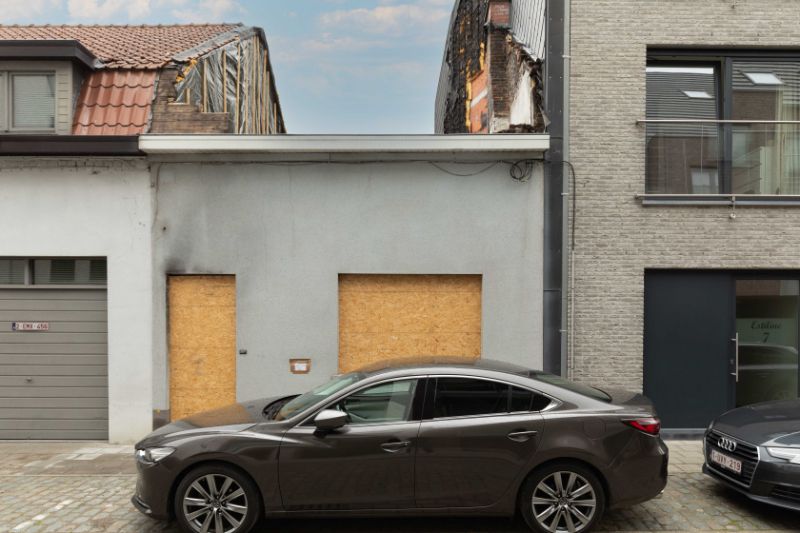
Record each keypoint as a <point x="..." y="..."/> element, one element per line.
<point x="555" y="202"/>
<point x="567" y="279"/>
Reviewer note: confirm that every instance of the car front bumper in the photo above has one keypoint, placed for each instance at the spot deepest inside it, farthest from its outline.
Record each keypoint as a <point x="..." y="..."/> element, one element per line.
<point x="153" y="484"/>
<point x="773" y="482"/>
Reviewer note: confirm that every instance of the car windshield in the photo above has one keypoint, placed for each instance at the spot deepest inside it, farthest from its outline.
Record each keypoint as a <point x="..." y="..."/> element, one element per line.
<point x="317" y="394"/>
<point x="571" y="386"/>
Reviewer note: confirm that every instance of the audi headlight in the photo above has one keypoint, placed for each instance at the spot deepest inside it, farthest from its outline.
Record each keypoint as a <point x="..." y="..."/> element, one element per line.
<point x="790" y="454"/>
<point x="153" y="455"/>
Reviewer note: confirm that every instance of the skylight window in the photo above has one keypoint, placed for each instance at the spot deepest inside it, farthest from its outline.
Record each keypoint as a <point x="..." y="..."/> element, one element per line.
<point x="763" y="78"/>
<point x="698" y="94"/>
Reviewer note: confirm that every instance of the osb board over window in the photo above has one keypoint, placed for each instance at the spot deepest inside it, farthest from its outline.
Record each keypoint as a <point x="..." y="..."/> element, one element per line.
<point x="202" y="343"/>
<point x="391" y="316"/>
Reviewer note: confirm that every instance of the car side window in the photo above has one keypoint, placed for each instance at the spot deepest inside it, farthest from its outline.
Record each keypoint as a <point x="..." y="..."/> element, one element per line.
<point x="469" y="397"/>
<point x="526" y="400"/>
<point x="386" y="402"/>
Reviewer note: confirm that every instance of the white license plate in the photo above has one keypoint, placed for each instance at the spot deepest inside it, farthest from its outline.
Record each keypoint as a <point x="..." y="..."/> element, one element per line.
<point x="729" y="463"/>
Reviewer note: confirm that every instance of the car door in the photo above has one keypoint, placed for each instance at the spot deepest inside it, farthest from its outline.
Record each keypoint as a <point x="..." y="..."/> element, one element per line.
<point x="476" y="438"/>
<point x="367" y="464"/>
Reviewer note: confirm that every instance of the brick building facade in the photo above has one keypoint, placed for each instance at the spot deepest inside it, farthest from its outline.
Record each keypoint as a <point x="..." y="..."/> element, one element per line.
<point x="630" y="251"/>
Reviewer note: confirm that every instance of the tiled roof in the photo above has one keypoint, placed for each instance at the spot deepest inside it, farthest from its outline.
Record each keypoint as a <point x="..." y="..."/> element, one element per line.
<point x="115" y="102"/>
<point x="127" y="47"/>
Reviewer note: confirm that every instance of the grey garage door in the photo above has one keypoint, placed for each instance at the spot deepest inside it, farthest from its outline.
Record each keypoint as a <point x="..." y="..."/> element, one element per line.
<point x="54" y="383"/>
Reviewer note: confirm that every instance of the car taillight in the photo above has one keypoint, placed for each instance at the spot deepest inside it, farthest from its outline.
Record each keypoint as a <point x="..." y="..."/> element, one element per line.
<point x="651" y="426"/>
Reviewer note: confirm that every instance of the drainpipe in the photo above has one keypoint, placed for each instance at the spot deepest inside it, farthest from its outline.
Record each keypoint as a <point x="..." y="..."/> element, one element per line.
<point x="556" y="187"/>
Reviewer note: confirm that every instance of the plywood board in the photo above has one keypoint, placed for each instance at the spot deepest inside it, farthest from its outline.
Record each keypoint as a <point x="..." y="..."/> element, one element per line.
<point x="392" y="316"/>
<point x="202" y="343"/>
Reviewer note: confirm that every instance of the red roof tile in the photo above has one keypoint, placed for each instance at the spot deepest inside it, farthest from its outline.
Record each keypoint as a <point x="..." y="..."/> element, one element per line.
<point x="126" y="47"/>
<point x="115" y="102"/>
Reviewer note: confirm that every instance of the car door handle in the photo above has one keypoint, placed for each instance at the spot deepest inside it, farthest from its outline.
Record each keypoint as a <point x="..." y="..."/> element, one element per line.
<point x="522" y="435"/>
<point x="395" y="446"/>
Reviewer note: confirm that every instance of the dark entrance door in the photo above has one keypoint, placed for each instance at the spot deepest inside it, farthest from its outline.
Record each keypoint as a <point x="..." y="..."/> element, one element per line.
<point x="688" y="348"/>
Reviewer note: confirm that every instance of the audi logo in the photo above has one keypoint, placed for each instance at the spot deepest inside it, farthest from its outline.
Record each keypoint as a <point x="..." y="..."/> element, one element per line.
<point x="727" y="444"/>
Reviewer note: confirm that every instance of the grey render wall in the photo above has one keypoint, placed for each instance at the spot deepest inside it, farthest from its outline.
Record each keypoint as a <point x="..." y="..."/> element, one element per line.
<point x="286" y="232"/>
<point x="617" y="238"/>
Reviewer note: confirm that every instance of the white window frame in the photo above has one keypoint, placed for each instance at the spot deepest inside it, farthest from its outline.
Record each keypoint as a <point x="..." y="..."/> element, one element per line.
<point x="7" y="92"/>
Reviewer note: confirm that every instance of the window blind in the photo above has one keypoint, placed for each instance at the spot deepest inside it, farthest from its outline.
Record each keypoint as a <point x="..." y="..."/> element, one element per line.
<point x="12" y="271"/>
<point x="33" y="101"/>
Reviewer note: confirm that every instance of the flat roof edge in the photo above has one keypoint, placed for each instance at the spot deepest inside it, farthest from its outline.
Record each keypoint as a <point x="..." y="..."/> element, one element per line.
<point x="69" y="145"/>
<point x="355" y="144"/>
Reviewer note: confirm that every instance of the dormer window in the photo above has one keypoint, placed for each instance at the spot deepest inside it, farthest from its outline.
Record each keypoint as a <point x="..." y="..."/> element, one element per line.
<point x="27" y="101"/>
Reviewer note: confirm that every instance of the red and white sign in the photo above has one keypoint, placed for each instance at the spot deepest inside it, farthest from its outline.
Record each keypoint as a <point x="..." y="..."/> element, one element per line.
<point x="30" y="326"/>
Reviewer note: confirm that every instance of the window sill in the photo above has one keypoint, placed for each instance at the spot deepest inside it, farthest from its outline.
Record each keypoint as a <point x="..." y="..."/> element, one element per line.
<point x="738" y="200"/>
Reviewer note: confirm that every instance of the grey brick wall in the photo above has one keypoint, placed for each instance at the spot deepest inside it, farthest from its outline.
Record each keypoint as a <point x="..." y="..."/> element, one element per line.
<point x="616" y="237"/>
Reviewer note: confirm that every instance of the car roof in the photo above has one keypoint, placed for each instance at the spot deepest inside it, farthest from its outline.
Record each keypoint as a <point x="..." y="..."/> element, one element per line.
<point x="445" y="363"/>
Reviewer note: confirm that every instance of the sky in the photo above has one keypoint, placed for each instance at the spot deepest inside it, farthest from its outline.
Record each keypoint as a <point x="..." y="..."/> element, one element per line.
<point x="342" y="66"/>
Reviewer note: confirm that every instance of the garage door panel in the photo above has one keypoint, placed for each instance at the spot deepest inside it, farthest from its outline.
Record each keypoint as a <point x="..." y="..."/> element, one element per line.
<point x="54" y="370"/>
<point x="48" y="413"/>
<point x="54" y="349"/>
<point x="48" y="337"/>
<point x="54" y="381"/>
<point x="389" y="316"/>
<point x="54" y="392"/>
<point x="52" y="316"/>
<point x="55" y="359"/>
<point x="52" y="305"/>
<point x="40" y="293"/>
<point x="36" y="403"/>
<point x="60" y="434"/>
<point x="66" y="327"/>
<point x="53" y="424"/>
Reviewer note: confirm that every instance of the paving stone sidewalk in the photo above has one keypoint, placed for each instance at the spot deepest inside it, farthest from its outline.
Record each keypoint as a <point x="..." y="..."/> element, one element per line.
<point x="79" y="487"/>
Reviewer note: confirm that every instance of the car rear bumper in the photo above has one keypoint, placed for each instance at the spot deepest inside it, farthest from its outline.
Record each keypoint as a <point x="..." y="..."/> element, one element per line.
<point x="641" y="472"/>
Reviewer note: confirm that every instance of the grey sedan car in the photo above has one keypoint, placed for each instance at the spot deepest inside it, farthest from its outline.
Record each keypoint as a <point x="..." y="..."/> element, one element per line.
<point x="756" y="450"/>
<point x="409" y="439"/>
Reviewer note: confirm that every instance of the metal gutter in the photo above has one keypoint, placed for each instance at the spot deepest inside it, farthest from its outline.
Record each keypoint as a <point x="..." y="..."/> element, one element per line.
<point x="566" y="266"/>
<point x="68" y="49"/>
<point x="356" y="144"/>
<point x="69" y="145"/>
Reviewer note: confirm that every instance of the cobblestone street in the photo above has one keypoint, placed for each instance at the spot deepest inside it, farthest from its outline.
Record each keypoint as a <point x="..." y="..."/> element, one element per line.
<point x="71" y="487"/>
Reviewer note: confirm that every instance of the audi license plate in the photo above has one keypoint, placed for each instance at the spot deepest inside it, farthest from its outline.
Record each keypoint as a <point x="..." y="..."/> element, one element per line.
<point x="734" y="465"/>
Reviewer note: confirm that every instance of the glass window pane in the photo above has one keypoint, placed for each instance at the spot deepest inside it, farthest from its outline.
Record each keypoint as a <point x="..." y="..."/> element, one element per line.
<point x="34" y="101"/>
<point x="521" y="400"/>
<point x="469" y="397"/>
<point x="69" y="272"/>
<point x="766" y="322"/>
<point x="682" y="157"/>
<point x="12" y="271"/>
<point x="387" y="402"/>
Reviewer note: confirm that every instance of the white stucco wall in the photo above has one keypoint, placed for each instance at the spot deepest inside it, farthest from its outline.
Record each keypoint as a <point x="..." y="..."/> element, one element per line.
<point x="94" y="207"/>
<point x="287" y="231"/>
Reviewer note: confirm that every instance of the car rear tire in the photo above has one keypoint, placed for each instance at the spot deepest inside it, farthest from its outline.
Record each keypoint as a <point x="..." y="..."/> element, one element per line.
<point x="562" y="498"/>
<point x="216" y="498"/>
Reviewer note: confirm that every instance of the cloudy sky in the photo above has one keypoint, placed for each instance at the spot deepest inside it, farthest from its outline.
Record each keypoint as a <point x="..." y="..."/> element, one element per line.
<point x="342" y="66"/>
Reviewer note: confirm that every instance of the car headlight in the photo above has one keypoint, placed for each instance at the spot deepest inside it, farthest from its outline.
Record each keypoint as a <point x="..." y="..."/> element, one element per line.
<point x="153" y="455"/>
<point x="790" y="454"/>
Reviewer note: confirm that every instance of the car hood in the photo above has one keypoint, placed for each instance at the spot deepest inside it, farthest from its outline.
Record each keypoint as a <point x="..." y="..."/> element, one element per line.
<point x="771" y="423"/>
<point x="231" y="418"/>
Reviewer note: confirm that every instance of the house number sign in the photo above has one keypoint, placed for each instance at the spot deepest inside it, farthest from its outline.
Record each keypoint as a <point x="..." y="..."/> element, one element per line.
<point x="30" y="326"/>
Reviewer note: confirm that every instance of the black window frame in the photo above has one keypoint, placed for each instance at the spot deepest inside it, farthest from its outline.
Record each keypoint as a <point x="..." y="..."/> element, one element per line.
<point x="722" y="59"/>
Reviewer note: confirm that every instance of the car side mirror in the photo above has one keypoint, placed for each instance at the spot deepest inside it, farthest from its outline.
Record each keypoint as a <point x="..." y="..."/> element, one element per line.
<point x="330" y="419"/>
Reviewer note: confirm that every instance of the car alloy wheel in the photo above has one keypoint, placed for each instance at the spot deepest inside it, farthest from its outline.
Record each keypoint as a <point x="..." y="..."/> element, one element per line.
<point x="217" y="499"/>
<point x="564" y="501"/>
<point x="562" y="498"/>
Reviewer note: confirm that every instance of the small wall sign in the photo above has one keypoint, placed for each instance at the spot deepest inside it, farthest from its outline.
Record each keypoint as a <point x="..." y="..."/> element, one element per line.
<point x="300" y="366"/>
<point x="30" y="326"/>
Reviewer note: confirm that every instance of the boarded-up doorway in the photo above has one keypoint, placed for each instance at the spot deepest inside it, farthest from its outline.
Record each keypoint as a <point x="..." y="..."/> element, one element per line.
<point x="391" y="316"/>
<point x="202" y="343"/>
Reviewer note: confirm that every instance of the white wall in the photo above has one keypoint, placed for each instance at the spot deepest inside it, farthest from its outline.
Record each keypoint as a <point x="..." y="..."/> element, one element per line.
<point x="287" y="231"/>
<point x="86" y="207"/>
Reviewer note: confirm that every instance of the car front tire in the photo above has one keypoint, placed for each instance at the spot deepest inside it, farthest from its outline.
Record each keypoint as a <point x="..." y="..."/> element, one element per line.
<point x="216" y="498"/>
<point x="562" y="497"/>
